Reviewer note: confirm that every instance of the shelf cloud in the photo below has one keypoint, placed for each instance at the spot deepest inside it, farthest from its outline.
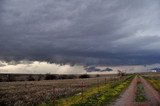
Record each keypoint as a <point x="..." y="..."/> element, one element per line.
<point x="87" y="32"/>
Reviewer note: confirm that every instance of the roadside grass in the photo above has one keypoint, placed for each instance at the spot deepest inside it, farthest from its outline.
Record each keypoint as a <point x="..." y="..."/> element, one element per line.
<point x="95" y="96"/>
<point x="77" y="98"/>
<point x="104" y="98"/>
<point x="140" y="94"/>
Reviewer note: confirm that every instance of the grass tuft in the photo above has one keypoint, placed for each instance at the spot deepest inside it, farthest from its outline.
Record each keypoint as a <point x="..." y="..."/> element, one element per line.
<point x="140" y="94"/>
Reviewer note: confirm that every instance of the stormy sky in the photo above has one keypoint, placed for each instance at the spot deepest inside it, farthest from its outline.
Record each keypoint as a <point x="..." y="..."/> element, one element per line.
<point x="112" y="32"/>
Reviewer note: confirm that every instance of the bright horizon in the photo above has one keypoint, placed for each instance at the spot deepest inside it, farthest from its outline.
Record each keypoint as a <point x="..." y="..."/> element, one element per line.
<point x="35" y="67"/>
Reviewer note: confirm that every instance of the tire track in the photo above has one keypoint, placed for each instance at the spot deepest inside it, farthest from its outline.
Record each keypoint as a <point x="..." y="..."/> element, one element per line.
<point x="152" y="94"/>
<point x="127" y="97"/>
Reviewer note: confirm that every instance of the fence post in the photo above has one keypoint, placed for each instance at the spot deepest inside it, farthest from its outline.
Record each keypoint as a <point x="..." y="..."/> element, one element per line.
<point x="25" y="85"/>
<point x="54" y="94"/>
<point x="65" y="90"/>
<point x="82" y="90"/>
<point x="98" y="84"/>
<point x="105" y="81"/>
<point x="70" y="88"/>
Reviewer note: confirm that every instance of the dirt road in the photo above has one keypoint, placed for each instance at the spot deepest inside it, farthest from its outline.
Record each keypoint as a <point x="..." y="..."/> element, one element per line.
<point x="127" y="98"/>
<point x="152" y="95"/>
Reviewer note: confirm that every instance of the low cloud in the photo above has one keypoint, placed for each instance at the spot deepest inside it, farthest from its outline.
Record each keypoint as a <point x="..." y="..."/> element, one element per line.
<point x="2" y="64"/>
<point x="94" y="69"/>
<point x="107" y="69"/>
<point x="156" y="69"/>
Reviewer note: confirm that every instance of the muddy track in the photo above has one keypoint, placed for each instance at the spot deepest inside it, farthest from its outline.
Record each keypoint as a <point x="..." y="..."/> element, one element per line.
<point x="128" y="96"/>
<point x="152" y="95"/>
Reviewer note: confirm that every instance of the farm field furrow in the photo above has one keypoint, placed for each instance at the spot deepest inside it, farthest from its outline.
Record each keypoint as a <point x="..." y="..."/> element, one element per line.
<point x="36" y="92"/>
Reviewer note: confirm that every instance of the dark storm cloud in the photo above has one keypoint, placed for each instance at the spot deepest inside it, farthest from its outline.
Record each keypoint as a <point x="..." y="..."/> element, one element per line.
<point x="80" y="31"/>
<point x="107" y="69"/>
<point x="94" y="69"/>
<point x="156" y="69"/>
